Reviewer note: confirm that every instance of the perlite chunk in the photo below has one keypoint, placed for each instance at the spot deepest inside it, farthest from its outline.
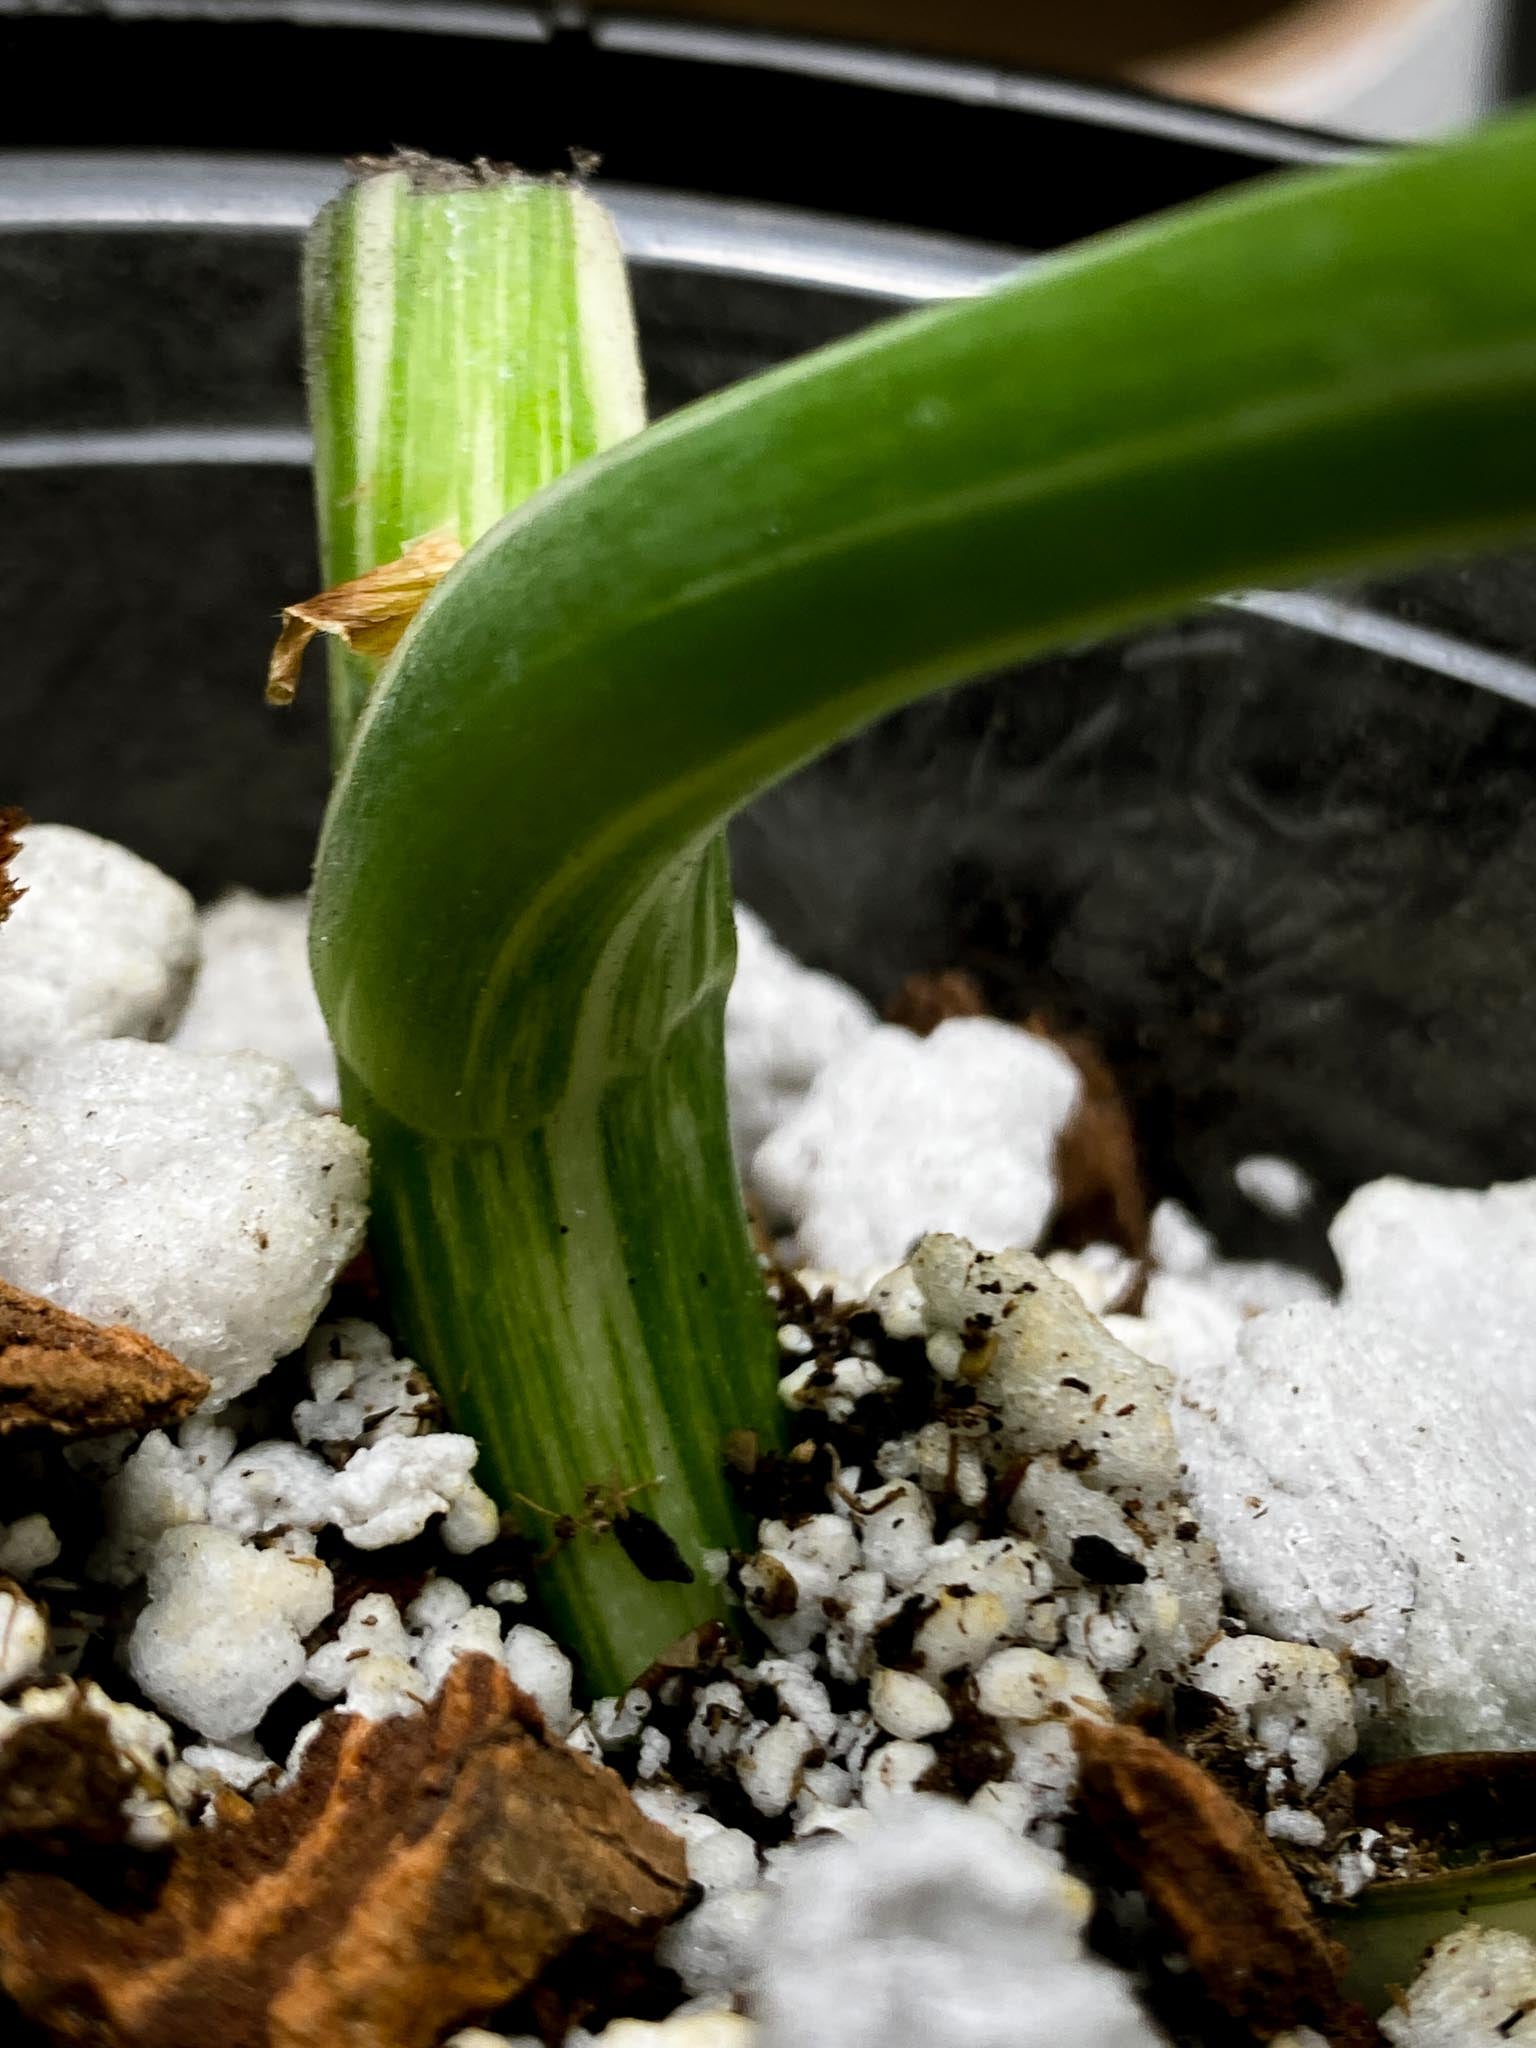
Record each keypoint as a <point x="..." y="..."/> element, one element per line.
<point x="99" y="945"/>
<point x="254" y="993"/>
<point x="899" y="1135"/>
<point x="223" y="1633"/>
<point x="23" y="1638"/>
<point x="783" y="1023"/>
<point x="198" y="1198"/>
<point x="1082" y="1428"/>
<point x="1293" y="1702"/>
<point x="1478" y="1990"/>
<point x="935" y="1927"/>
<point x="1364" y="1465"/>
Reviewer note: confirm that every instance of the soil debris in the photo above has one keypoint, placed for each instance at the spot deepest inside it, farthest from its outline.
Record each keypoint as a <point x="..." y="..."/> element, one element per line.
<point x="1217" y="1883"/>
<point x="925" y="1001"/>
<point x="369" y="615"/>
<point x="65" y="1376"/>
<point x="11" y="822"/>
<point x="62" y="1781"/>
<point x="417" y="1874"/>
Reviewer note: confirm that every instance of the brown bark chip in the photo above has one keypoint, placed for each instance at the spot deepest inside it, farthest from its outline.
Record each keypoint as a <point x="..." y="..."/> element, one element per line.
<point x="925" y="1001"/>
<point x="1482" y="1800"/>
<point x="1214" y="1879"/>
<point x="11" y="822"/>
<point x="1103" y="1196"/>
<point x="65" y="1376"/>
<point x="418" y="1873"/>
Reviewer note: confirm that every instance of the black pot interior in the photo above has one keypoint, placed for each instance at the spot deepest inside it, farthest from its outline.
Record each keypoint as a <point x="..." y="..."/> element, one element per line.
<point x="1290" y="887"/>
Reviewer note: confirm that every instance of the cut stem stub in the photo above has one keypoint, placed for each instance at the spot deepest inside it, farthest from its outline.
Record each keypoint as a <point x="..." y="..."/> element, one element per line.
<point x="566" y="1251"/>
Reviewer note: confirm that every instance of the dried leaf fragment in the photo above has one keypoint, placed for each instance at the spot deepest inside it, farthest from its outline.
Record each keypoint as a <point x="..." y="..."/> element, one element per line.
<point x="1216" y="1881"/>
<point x="369" y="615"/>
<point x="11" y="822"/>
<point x="69" y="1377"/>
<point x="417" y="1874"/>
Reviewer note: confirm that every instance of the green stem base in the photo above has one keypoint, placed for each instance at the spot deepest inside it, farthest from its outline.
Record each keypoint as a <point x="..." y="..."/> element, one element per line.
<point x="589" y="1345"/>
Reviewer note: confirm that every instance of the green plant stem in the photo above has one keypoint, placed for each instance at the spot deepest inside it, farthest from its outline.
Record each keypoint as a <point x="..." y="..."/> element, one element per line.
<point x="469" y="341"/>
<point x="1320" y="373"/>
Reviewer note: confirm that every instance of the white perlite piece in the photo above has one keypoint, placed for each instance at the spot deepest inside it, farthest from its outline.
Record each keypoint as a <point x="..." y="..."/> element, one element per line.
<point x="241" y="1765"/>
<point x="935" y="1927"/>
<point x="1101" y="1502"/>
<point x="714" y="1948"/>
<point x="900" y="1135"/>
<point x="254" y="992"/>
<point x="1277" y="1186"/>
<point x="378" y="1666"/>
<point x="1293" y="1702"/>
<point x="101" y="945"/>
<point x="386" y="1493"/>
<point x="783" y="1023"/>
<point x="223" y="1633"/>
<point x="1478" y="1990"/>
<point x="197" y="1197"/>
<point x="361" y="1390"/>
<point x="27" y="1546"/>
<point x="681" y="2030"/>
<point x="536" y="1663"/>
<point x="1364" y="1467"/>
<point x="23" y="1638"/>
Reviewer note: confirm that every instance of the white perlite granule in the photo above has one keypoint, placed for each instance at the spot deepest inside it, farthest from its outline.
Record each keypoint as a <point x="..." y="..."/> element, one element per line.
<point x="1292" y="1702"/>
<point x="783" y="1023"/>
<point x="100" y="945"/>
<point x="1364" y="1466"/>
<point x="379" y="1486"/>
<point x="934" y="1927"/>
<point x="1277" y="1186"/>
<point x="254" y="992"/>
<point x="901" y="1135"/>
<point x="681" y="2030"/>
<point x="27" y="1546"/>
<point x="1478" y="1990"/>
<point x="222" y="1635"/>
<point x="1102" y="1494"/>
<point x="23" y="1639"/>
<point x="197" y="1197"/>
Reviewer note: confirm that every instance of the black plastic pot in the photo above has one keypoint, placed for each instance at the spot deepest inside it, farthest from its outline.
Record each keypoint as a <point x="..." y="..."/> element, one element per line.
<point x="1289" y="882"/>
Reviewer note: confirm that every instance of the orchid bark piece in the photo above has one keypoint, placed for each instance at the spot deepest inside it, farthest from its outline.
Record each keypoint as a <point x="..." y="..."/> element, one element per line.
<point x="62" y="1375"/>
<point x="1215" y="1880"/>
<point x="11" y="822"/>
<point x="417" y="1873"/>
<point x="520" y="932"/>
